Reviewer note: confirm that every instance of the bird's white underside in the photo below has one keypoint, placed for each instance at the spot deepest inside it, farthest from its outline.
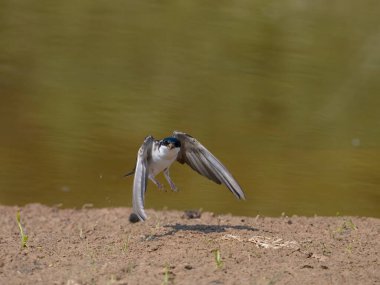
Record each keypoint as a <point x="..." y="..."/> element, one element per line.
<point x="162" y="158"/>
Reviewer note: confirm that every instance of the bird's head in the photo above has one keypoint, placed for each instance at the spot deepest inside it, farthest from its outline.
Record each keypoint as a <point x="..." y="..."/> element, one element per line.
<point x="170" y="143"/>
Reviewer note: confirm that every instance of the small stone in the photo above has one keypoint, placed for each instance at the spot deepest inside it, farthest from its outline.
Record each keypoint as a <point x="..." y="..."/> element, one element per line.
<point x="307" y="266"/>
<point x="192" y="214"/>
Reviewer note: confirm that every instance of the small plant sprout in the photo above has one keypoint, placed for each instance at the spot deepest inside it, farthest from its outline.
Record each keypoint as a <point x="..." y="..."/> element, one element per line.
<point x="350" y="224"/>
<point x="126" y="244"/>
<point x="349" y="247"/>
<point x="81" y="235"/>
<point x="24" y="237"/>
<point x="347" y="226"/>
<point x="218" y="258"/>
<point x="166" y="275"/>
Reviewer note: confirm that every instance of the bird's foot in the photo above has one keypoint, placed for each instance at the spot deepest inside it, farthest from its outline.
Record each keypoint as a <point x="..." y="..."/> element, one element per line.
<point x="157" y="183"/>
<point x="173" y="187"/>
<point x="160" y="187"/>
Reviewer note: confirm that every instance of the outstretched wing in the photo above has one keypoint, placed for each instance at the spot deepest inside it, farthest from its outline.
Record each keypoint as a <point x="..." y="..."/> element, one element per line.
<point x="205" y="163"/>
<point x="141" y="177"/>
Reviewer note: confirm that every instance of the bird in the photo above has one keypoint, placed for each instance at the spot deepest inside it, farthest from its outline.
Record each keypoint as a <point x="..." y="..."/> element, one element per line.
<point x="156" y="156"/>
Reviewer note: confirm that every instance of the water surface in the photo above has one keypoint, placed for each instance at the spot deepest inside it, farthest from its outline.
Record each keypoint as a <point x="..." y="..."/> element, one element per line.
<point x="285" y="94"/>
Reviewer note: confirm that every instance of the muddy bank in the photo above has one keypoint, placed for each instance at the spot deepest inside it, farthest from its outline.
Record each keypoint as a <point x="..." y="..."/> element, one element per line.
<point x="101" y="246"/>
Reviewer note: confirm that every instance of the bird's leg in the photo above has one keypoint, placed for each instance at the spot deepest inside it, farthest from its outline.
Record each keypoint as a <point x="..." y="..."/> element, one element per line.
<point x="158" y="184"/>
<point x="171" y="183"/>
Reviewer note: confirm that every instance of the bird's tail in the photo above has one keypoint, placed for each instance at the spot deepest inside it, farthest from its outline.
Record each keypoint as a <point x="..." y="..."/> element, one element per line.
<point x="130" y="173"/>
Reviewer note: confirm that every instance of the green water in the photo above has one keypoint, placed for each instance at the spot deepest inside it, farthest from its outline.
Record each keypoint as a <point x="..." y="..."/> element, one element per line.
<point x="285" y="93"/>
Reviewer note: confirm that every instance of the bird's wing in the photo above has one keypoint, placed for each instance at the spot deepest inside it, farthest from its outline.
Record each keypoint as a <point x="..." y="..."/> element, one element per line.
<point x="205" y="163"/>
<point x="141" y="177"/>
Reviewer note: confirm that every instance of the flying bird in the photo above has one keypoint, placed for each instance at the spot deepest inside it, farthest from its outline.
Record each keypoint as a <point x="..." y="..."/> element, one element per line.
<point x="156" y="156"/>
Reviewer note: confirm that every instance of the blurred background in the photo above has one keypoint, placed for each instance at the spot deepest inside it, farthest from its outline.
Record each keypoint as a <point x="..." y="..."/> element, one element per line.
<point x="285" y="93"/>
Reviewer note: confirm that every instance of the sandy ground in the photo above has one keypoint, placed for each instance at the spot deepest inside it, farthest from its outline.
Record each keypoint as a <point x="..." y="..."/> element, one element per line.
<point x="101" y="246"/>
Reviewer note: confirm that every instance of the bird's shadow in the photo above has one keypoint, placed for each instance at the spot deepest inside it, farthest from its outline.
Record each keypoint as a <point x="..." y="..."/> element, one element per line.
<point x="206" y="229"/>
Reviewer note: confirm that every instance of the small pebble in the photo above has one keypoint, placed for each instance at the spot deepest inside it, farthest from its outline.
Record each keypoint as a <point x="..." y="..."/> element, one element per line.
<point x="192" y="214"/>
